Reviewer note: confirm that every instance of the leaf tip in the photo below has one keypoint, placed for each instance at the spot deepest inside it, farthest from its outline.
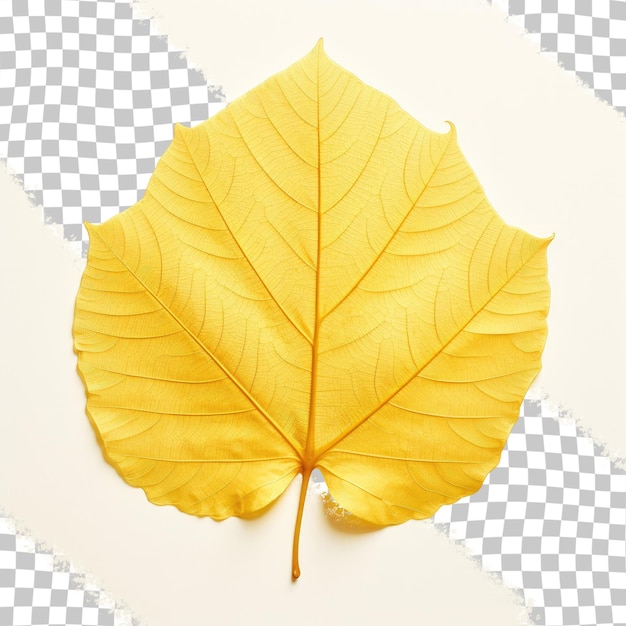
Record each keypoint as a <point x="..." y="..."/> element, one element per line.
<point x="544" y="242"/>
<point x="318" y="51"/>
<point x="452" y="128"/>
<point x="90" y="228"/>
<point x="181" y="131"/>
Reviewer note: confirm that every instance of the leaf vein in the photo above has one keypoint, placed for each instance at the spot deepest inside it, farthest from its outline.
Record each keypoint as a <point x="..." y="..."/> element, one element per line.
<point x="214" y="358"/>
<point x="436" y="353"/>
<point x="389" y="240"/>
<point x="280" y="307"/>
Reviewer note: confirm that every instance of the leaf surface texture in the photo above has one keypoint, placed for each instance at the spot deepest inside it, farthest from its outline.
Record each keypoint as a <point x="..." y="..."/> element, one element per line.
<point x="312" y="279"/>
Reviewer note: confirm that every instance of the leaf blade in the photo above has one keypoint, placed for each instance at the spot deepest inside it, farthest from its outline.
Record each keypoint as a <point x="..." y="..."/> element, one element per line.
<point x="135" y="393"/>
<point x="313" y="278"/>
<point x="450" y="414"/>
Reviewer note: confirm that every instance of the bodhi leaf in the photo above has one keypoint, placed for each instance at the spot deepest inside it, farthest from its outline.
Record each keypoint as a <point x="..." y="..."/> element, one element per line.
<point x="312" y="280"/>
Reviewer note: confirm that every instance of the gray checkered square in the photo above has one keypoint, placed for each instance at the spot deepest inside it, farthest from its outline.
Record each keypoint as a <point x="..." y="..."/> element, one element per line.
<point x="88" y="99"/>
<point x="588" y="37"/>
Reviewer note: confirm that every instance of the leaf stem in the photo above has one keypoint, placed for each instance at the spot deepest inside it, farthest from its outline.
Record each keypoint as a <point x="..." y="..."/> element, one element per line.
<point x="295" y="564"/>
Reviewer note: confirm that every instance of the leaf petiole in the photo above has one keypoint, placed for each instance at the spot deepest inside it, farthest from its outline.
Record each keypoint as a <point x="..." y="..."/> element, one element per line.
<point x="295" y="565"/>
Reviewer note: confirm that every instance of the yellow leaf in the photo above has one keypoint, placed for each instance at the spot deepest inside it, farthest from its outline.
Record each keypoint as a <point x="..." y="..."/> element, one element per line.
<point x="312" y="280"/>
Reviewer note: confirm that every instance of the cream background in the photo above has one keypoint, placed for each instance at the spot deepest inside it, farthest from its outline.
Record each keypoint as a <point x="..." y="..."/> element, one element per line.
<point x="548" y="155"/>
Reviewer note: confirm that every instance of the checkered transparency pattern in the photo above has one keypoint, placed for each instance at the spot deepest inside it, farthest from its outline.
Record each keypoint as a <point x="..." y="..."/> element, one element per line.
<point x="39" y="587"/>
<point x="88" y="99"/>
<point x="551" y="521"/>
<point x="588" y="36"/>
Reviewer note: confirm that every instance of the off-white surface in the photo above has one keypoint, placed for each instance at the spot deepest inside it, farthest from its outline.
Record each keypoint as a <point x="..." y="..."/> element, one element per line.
<point x="550" y="159"/>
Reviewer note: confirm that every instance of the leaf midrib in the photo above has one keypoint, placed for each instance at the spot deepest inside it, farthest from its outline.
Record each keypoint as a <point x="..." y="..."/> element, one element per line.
<point x="309" y="450"/>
